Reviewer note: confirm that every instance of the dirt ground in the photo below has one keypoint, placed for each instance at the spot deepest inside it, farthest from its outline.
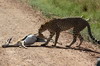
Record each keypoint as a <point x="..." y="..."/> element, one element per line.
<point x="18" y="19"/>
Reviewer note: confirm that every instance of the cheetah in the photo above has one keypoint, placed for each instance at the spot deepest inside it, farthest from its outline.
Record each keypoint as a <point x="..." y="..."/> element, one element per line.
<point x="55" y="26"/>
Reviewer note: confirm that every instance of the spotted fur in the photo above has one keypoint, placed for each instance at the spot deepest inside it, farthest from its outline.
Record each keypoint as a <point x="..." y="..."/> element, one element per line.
<point x="55" y="26"/>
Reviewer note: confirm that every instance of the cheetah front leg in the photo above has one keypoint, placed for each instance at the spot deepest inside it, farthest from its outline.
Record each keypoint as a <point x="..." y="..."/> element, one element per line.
<point x="56" y="38"/>
<point x="48" y="40"/>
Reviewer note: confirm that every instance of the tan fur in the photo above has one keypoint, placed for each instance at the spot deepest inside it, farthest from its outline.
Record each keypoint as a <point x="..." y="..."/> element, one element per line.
<point x="56" y="26"/>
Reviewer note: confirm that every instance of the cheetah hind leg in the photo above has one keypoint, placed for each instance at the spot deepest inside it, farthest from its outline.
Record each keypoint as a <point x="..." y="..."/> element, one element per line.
<point x="81" y="40"/>
<point x="74" y="40"/>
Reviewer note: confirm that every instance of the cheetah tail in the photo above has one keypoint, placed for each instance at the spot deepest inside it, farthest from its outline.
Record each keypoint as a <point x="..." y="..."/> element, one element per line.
<point x="91" y="36"/>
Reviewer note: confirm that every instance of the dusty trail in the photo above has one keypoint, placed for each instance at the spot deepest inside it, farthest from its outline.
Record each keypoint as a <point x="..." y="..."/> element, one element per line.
<point x="18" y="19"/>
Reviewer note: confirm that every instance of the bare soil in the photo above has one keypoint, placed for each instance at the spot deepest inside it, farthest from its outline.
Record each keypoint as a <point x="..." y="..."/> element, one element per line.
<point x="18" y="19"/>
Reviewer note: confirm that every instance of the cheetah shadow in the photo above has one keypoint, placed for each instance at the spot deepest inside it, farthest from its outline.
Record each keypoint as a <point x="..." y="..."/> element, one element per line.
<point x="58" y="47"/>
<point x="73" y="48"/>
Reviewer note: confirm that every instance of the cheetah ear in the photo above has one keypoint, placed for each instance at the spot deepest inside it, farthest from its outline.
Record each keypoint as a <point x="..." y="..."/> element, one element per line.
<point x="42" y="26"/>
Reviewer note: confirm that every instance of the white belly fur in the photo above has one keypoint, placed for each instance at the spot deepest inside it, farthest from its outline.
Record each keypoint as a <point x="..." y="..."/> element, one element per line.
<point x="30" y="39"/>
